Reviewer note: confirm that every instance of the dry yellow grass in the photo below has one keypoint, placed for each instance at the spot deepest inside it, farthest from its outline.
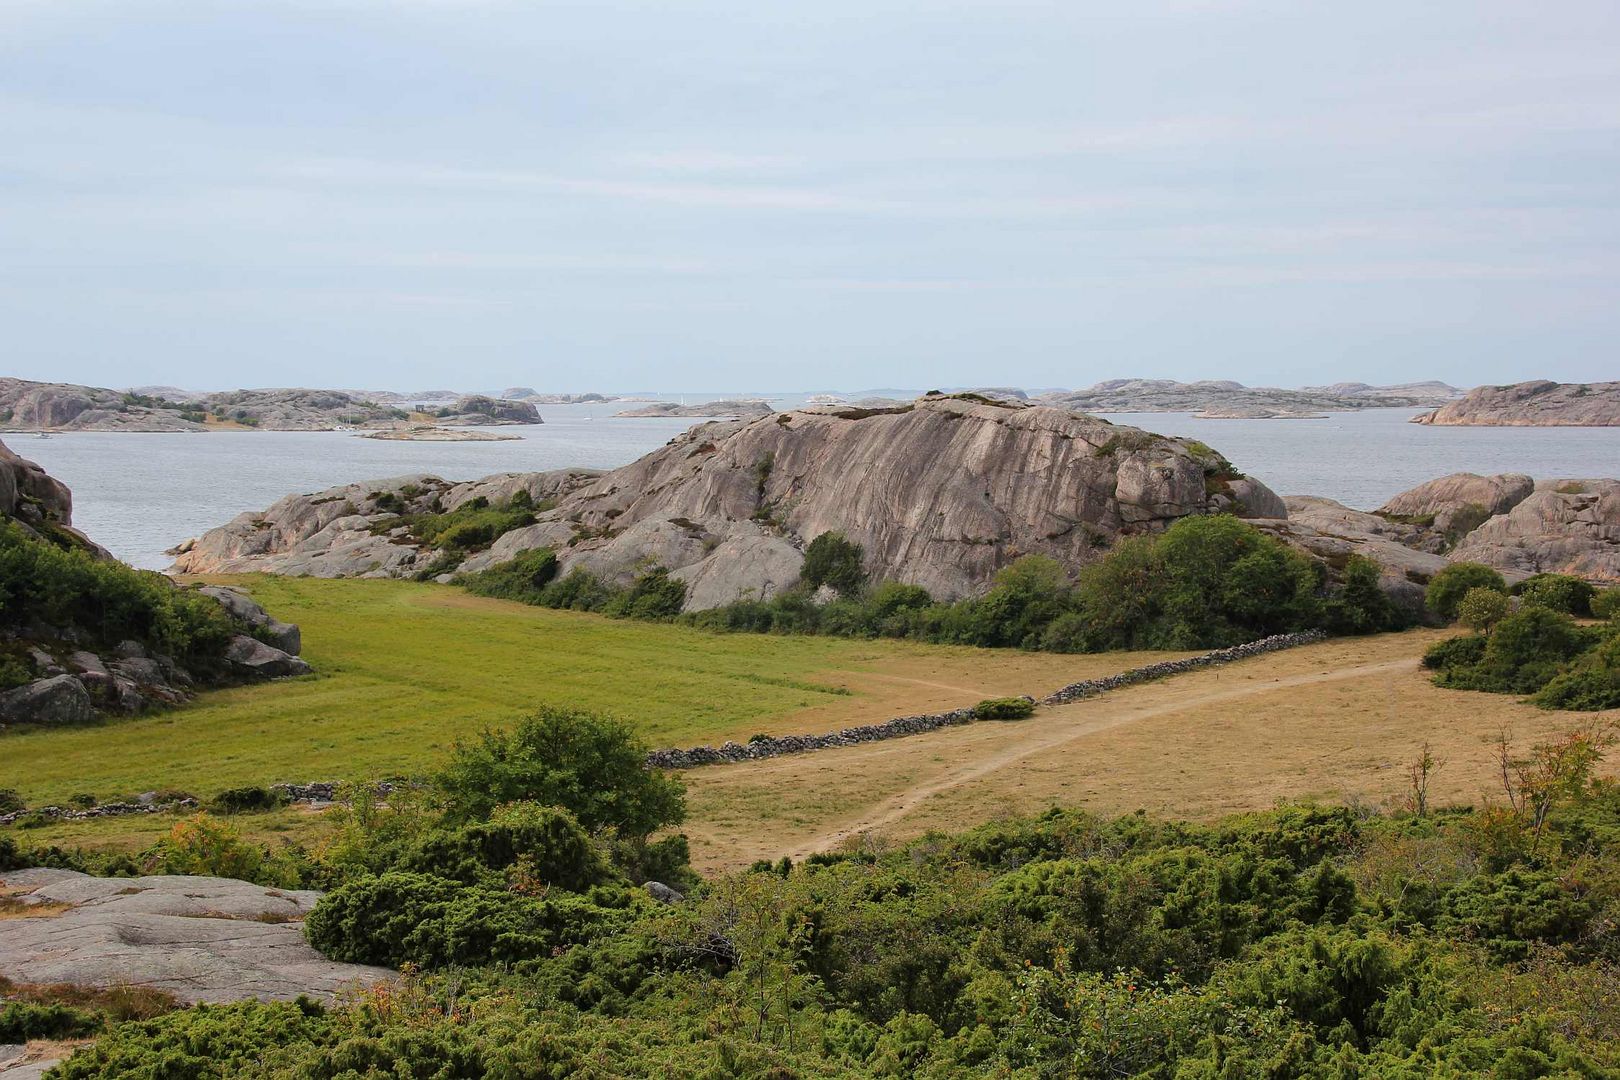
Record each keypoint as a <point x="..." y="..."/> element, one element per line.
<point x="1338" y="721"/>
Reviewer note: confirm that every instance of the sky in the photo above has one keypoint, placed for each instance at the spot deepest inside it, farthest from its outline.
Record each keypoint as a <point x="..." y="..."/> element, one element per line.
<point x="612" y="195"/>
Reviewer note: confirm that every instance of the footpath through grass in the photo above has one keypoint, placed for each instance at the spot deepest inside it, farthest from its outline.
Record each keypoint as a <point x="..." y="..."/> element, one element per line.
<point x="405" y="669"/>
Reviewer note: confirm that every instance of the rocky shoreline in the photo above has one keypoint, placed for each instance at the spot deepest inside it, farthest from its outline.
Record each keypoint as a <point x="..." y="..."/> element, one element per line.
<point x="1539" y="403"/>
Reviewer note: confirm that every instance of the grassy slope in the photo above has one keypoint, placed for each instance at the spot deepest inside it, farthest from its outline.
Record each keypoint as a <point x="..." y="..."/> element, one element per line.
<point x="405" y="669"/>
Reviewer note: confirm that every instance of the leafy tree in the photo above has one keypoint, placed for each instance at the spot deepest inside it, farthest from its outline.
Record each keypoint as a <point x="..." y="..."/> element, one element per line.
<point x="1481" y="609"/>
<point x="1361" y="606"/>
<point x="1559" y="592"/>
<point x="831" y="559"/>
<point x="1448" y="587"/>
<point x="593" y="766"/>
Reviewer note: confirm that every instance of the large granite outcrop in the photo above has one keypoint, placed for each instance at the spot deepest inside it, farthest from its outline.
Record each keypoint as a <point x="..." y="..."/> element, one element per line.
<point x="202" y="939"/>
<point x="37" y="406"/>
<point x="1539" y="403"/>
<point x="1563" y="527"/>
<point x="941" y="493"/>
<point x="31" y="406"/>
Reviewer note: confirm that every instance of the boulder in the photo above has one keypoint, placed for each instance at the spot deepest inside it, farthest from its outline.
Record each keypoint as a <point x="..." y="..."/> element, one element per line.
<point x="284" y="636"/>
<point x="203" y="939"/>
<point x="1454" y="505"/>
<point x="1563" y="527"/>
<point x="254" y="657"/>
<point x="61" y="699"/>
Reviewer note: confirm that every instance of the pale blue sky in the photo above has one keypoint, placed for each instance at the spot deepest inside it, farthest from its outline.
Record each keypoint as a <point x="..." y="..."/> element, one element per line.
<point x="613" y="195"/>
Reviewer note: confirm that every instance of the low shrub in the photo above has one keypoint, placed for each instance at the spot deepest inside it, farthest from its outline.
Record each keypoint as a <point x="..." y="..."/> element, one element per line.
<point x="1009" y="708"/>
<point x="1557" y="592"/>
<point x="1448" y="587"/>
<point x="523" y="578"/>
<point x="246" y="800"/>
<point x="1605" y="603"/>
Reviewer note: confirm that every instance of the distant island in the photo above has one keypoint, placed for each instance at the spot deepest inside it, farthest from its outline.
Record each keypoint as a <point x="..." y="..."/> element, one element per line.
<point x="431" y="433"/>
<point x="1539" y="403"/>
<point x="725" y="407"/>
<point x="1224" y="399"/>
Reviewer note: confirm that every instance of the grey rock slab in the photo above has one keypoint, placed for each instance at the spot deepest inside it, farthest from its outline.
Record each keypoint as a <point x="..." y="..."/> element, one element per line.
<point x="61" y="699"/>
<point x="199" y="938"/>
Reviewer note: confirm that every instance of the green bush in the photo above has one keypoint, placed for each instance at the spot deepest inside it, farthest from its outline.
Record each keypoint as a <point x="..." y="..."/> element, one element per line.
<point x="22" y="1021"/>
<point x="593" y="766"/>
<point x="472" y="526"/>
<point x="523" y="578"/>
<point x="1524" y="652"/>
<point x="653" y="595"/>
<point x="1557" y="592"/>
<point x="546" y="840"/>
<point x="244" y="800"/>
<point x="832" y="560"/>
<point x="105" y="600"/>
<point x="1010" y="708"/>
<point x="399" y="918"/>
<point x="1606" y="603"/>
<point x="1591" y="684"/>
<point x="1447" y="588"/>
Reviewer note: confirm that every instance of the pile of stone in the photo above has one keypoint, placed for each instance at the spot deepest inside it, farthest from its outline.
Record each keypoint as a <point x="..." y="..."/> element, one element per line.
<point x="143" y="804"/>
<point x="1092" y="687"/>
<point x="769" y="746"/>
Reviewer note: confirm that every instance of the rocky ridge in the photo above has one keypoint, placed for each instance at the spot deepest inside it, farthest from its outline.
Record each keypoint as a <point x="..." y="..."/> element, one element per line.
<point x="1532" y="404"/>
<point x="968" y="486"/>
<point x="35" y="406"/>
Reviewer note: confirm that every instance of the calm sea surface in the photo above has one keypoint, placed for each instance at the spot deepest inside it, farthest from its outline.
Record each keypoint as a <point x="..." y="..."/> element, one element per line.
<point x="138" y="494"/>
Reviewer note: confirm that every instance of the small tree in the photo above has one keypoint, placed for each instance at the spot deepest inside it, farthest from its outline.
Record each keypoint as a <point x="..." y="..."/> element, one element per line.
<point x="1560" y="592"/>
<point x="593" y="766"/>
<point x="1481" y="609"/>
<point x="1448" y="587"/>
<point x="830" y="559"/>
<point x="1606" y="603"/>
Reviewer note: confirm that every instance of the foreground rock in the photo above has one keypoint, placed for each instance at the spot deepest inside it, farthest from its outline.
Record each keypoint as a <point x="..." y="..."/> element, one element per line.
<point x="1533" y="404"/>
<point x="202" y="939"/>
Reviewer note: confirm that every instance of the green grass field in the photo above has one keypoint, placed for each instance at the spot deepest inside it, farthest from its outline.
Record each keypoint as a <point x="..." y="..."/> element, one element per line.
<point x="406" y="669"/>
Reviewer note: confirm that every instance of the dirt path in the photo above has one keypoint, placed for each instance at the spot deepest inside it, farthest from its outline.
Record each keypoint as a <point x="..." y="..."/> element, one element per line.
<point x="1057" y="727"/>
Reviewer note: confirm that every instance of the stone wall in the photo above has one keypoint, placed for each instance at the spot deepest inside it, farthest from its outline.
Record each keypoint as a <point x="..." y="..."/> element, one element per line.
<point x="769" y="746"/>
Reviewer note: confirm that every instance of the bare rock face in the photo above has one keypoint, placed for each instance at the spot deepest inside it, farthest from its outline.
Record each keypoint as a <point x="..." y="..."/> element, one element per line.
<point x="353" y="530"/>
<point x="36" y="406"/>
<point x="1447" y="509"/>
<point x="202" y="939"/>
<point x="1528" y="404"/>
<point x="479" y="409"/>
<point x="1564" y="527"/>
<point x="30" y="495"/>
<point x="940" y="493"/>
<point x="1333" y="533"/>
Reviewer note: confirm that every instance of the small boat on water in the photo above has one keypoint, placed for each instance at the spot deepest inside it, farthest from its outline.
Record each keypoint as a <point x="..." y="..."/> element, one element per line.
<point x="41" y="435"/>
